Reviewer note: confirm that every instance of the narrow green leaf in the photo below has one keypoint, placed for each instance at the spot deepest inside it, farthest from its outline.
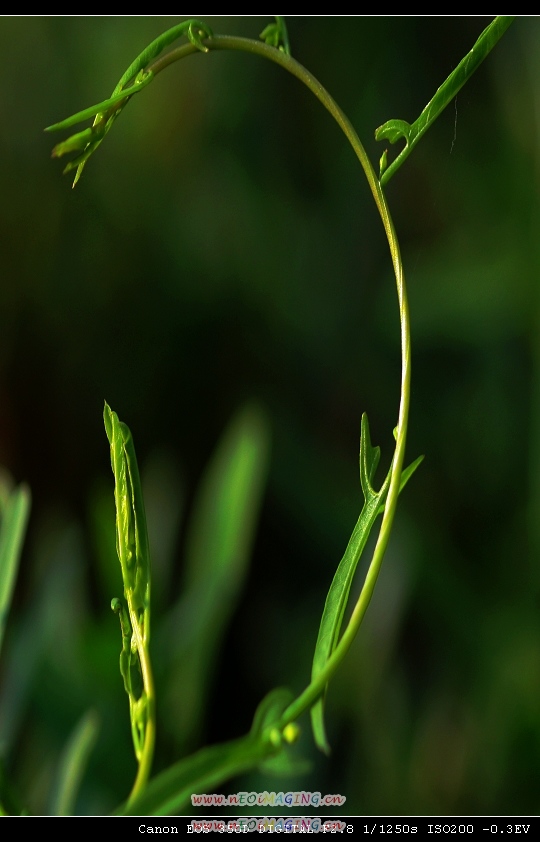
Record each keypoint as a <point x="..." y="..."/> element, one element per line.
<point x="131" y="531"/>
<point x="395" y="129"/>
<point x="141" y="587"/>
<point x="218" y="549"/>
<point x="93" y="110"/>
<point x="226" y="510"/>
<point x="338" y="595"/>
<point x="193" y="29"/>
<point x="14" y="518"/>
<point x="369" y="459"/>
<point x="73" y="764"/>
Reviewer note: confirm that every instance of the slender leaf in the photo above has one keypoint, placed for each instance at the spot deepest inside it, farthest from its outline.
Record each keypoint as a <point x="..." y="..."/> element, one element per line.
<point x="72" y="144"/>
<point x="338" y="595"/>
<point x="227" y="507"/>
<point x="220" y="537"/>
<point x="395" y="129"/>
<point x="12" y="529"/>
<point x="73" y="764"/>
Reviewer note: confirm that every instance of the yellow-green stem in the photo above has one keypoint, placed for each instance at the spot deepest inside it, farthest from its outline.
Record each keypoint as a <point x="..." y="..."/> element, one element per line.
<point x="315" y="688"/>
<point x="145" y="762"/>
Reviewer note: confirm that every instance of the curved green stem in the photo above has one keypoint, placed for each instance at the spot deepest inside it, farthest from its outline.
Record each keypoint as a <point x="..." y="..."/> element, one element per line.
<point x="281" y="57"/>
<point x="316" y="687"/>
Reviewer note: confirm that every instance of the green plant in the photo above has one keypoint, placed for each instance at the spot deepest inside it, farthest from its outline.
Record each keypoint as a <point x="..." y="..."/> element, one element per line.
<point x="274" y="725"/>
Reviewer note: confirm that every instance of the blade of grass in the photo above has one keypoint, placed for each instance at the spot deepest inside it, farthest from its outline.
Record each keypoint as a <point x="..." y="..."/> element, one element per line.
<point x="73" y="764"/>
<point x="220" y="537"/>
<point x="12" y="531"/>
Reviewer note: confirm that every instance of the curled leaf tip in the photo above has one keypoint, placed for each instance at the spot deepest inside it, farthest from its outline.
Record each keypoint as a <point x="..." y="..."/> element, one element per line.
<point x="393" y="130"/>
<point x="197" y="30"/>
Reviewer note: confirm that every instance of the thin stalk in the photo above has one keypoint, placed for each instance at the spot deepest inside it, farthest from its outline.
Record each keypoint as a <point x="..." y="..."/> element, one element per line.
<point x="222" y="42"/>
<point x="147" y="754"/>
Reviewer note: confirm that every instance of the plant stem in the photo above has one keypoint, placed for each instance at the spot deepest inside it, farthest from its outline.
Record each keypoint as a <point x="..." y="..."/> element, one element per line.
<point x="221" y="42"/>
<point x="145" y="760"/>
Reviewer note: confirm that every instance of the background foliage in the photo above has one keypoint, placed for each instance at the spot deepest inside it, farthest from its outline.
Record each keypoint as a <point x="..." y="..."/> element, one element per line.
<point x="222" y="246"/>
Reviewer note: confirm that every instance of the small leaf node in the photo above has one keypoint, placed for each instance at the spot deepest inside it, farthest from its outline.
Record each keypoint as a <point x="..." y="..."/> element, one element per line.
<point x="276" y="35"/>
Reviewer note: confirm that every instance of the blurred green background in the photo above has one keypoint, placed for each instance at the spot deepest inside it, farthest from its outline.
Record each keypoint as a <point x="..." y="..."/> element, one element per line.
<point x="222" y="247"/>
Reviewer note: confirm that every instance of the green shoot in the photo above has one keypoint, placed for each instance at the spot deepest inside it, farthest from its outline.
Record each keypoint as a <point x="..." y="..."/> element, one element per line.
<point x="219" y="540"/>
<point x="134" y="611"/>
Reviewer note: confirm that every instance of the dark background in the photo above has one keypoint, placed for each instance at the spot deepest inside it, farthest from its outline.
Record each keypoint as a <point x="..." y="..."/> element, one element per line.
<point x="222" y="246"/>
